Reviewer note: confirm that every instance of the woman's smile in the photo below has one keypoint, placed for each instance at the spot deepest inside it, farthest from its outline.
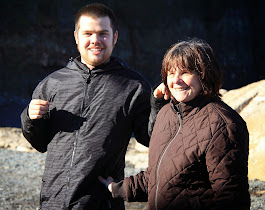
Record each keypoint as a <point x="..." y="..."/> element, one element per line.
<point x="183" y="86"/>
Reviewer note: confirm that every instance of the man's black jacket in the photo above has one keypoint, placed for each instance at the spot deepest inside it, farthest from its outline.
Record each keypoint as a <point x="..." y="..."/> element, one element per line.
<point x="91" y="118"/>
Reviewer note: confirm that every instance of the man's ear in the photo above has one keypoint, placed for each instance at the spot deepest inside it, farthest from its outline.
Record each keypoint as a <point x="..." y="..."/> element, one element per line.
<point x="76" y="37"/>
<point x="115" y="38"/>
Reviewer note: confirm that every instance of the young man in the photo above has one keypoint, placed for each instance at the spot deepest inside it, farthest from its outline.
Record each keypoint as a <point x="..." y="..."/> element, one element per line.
<point x="84" y="115"/>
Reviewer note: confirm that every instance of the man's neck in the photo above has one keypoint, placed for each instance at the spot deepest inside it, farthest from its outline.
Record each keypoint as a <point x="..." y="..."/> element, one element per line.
<point x="86" y="64"/>
<point x="92" y="67"/>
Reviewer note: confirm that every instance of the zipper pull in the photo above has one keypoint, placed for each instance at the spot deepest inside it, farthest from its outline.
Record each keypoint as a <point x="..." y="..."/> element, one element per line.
<point x="89" y="76"/>
<point x="178" y="110"/>
<point x="88" y="79"/>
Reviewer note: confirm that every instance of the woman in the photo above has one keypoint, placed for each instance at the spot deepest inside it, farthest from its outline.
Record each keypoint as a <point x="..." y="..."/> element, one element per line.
<point x="198" y="154"/>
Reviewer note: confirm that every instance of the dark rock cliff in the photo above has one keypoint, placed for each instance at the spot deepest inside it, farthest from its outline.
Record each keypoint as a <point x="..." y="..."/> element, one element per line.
<point x="36" y="37"/>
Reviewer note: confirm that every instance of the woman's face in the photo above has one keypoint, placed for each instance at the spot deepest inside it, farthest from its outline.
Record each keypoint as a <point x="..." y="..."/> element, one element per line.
<point x="183" y="85"/>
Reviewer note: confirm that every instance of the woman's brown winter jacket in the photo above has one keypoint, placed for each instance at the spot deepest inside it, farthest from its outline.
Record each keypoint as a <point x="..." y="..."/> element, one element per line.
<point x="198" y="159"/>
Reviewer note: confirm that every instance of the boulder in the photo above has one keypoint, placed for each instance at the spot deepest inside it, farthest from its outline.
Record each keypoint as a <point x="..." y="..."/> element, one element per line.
<point x="249" y="102"/>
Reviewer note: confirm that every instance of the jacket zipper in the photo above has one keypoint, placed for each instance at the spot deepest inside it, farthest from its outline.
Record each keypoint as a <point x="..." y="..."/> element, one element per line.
<point x="162" y="156"/>
<point x="76" y="136"/>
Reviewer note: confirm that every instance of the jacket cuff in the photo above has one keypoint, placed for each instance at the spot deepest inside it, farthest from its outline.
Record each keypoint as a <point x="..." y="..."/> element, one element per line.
<point x="26" y="122"/>
<point x="158" y="103"/>
<point x="25" y="119"/>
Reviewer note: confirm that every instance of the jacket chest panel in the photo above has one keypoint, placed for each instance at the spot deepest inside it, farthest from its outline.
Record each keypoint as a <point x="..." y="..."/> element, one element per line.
<point x="68" y="96"/>
<point x="185" y="151"/>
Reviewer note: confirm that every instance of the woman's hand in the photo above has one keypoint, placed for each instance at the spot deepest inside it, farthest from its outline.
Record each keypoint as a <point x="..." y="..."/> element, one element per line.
<point x="107" y="182"/>
<point x="161" y="91"/>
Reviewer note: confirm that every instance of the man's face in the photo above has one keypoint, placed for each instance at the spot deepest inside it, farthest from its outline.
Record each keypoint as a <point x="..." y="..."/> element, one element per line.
<point x="95" y="40"/>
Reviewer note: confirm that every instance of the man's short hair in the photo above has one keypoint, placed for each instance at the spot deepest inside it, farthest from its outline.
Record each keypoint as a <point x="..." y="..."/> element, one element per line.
<point x="96" y="10"/>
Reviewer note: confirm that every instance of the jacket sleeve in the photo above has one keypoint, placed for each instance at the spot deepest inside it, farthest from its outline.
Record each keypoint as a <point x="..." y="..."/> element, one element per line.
<point x="37" y="131"/>
<point x="156" y="105"/>
<point x="145" y="111"/>
<point x="140" y="114"/>
<point x="227" y="165"/>
<point x="133" y="188"/>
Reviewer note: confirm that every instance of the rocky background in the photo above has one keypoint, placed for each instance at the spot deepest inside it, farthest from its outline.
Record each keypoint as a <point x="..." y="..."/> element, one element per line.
<point x="22" y="166"/>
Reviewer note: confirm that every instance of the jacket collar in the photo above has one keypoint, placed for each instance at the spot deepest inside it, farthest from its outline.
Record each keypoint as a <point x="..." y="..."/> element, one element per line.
<point x="113" y="64"/>
<point x="192" y="107"/>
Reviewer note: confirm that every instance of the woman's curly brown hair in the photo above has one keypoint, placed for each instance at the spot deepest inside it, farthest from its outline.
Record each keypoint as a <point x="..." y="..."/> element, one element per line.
<point x="195" y="55"/>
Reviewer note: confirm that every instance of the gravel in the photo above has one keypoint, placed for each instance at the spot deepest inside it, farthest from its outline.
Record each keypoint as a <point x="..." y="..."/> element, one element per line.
<point x="20" y="181"/>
